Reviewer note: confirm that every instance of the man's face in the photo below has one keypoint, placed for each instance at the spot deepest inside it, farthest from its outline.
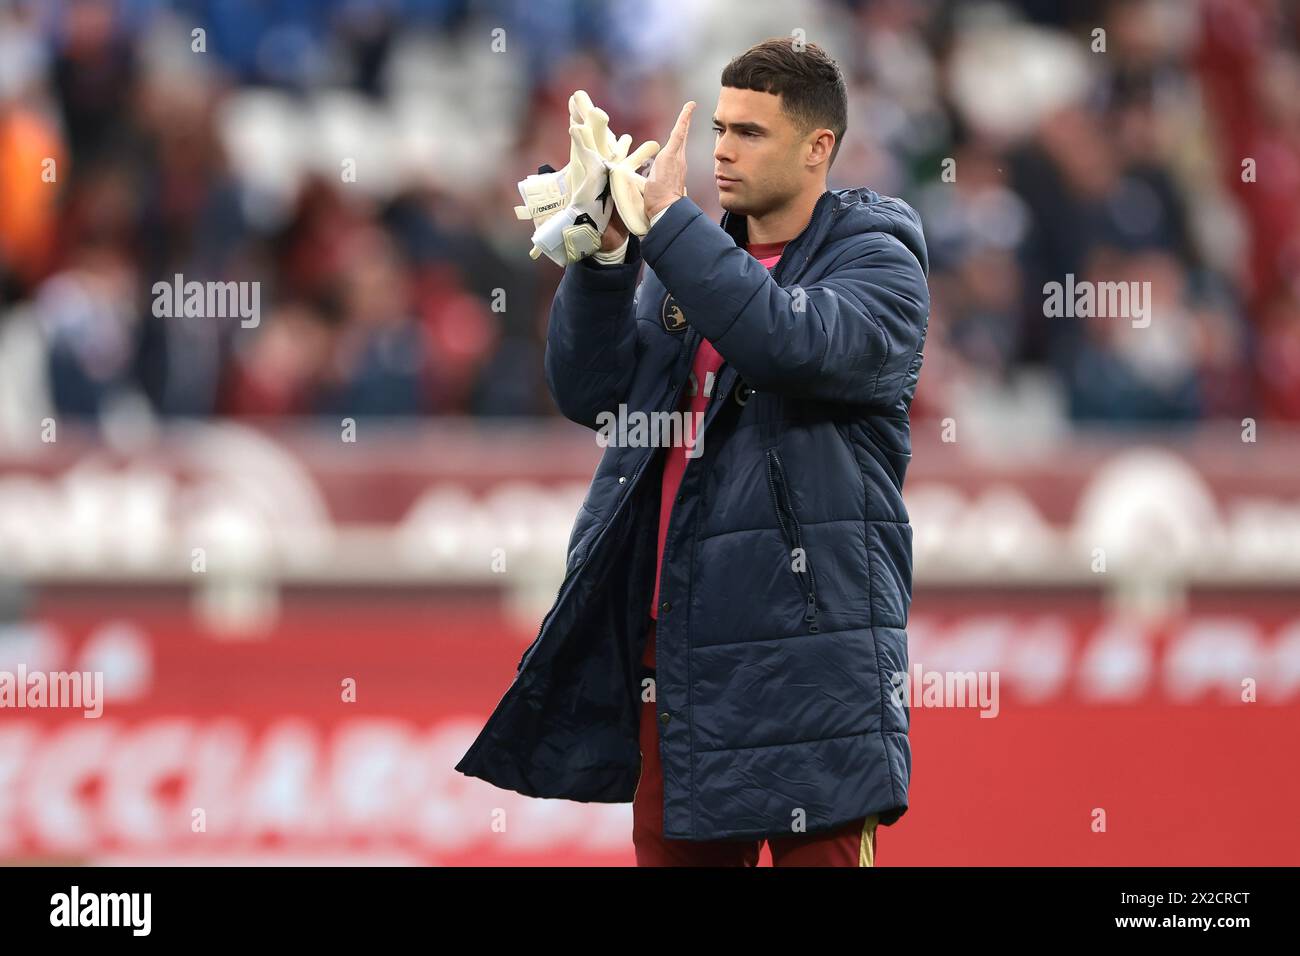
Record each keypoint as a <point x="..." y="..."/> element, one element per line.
<point x="759" y="155"/>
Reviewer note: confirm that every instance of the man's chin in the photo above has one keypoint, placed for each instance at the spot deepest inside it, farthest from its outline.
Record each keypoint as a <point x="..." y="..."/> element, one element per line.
<point x="732" y="204"/>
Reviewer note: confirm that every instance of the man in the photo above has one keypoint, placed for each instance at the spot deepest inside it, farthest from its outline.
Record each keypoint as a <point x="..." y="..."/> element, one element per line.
<point x="772" y="556"/>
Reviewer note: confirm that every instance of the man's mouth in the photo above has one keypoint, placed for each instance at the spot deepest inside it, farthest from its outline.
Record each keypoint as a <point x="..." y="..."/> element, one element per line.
<point x="725" y="181"/>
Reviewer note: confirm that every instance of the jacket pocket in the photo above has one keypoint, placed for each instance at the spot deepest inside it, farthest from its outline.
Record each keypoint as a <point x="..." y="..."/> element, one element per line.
<point x="793" y="534"/>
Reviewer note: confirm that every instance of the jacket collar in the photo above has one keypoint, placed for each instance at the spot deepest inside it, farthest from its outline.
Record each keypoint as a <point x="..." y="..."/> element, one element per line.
<point x="801" y="246"/>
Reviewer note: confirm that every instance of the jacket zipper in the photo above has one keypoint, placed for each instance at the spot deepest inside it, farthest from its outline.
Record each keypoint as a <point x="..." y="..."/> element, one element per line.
<point x="578" y="567"/>
<point x="529" y="649"/>
<point x="677" y="397"/>
<point x="792" y="533"/>
<point x="792" y="246"/>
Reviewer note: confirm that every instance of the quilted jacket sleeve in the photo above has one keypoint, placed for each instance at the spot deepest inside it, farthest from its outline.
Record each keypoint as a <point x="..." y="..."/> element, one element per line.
<point x="591" y="337"/>
<point x="853" y="336"/>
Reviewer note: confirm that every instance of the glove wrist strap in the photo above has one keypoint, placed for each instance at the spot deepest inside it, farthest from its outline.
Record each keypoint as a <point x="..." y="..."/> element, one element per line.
<point x="568" y="236"/>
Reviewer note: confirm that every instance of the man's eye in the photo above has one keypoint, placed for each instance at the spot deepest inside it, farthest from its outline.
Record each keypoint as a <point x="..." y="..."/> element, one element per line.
<point x="717" y="130"/>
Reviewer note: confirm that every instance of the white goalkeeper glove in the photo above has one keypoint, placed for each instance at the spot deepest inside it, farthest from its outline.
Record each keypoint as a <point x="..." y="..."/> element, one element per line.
<point x="574" y="232"/>
<point x="548" y="191"/>
<point x="628" y="187"/>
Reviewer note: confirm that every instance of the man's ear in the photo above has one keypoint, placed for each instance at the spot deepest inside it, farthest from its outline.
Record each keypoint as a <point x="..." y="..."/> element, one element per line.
<point x="821" y="146"/>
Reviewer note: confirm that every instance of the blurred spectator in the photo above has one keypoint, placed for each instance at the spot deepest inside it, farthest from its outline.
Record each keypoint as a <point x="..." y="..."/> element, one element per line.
<point x="281" y="369"/>
<point x="379" y="366"/>
<point x="87" y="312"/>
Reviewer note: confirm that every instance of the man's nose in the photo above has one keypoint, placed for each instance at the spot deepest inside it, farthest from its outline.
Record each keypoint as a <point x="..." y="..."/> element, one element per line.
<point x="722" y="151"/>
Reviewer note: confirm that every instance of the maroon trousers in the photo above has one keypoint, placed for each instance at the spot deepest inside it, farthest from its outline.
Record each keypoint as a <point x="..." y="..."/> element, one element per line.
<point x="853" y="844"/>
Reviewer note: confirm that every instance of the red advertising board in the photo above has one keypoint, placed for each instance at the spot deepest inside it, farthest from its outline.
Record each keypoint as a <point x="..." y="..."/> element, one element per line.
<point x="330" y="736"/>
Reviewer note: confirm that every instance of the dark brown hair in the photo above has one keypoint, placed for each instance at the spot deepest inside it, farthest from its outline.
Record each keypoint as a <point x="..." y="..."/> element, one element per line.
<point x="808" y="81"/>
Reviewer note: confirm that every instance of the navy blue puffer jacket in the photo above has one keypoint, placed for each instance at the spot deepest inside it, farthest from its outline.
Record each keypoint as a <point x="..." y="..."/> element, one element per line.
<point x="774" y="674"/>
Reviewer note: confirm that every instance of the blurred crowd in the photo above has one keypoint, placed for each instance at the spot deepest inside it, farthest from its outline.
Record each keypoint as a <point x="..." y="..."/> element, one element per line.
<point x="358" y="159"/>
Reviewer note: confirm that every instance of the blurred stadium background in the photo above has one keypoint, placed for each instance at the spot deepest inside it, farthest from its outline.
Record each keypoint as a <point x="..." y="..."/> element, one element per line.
<point x="181" y="508"/>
